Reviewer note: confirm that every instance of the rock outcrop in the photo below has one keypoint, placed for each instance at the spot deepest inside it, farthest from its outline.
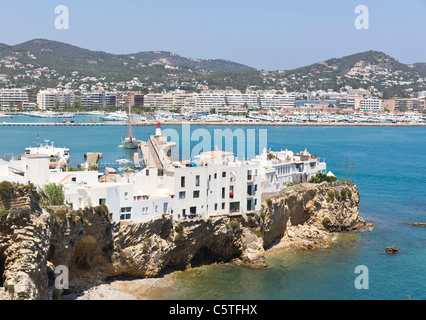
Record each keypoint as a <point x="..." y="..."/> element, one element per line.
<point x="307" y="216"/>
<point x="34" y="240"/>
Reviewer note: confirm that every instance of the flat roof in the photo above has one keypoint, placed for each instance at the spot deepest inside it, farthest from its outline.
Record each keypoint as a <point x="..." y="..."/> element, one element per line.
<point x="36" y="155"/>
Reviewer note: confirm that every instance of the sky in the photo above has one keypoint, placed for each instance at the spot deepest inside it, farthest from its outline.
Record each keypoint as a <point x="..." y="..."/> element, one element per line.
<point x="263" y="34"/>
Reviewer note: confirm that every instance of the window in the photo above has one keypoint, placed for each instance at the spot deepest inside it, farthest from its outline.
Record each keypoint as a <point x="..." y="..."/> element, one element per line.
<point x="223" y="193"/>
<point x="196" y="194"/>
<point x="234" y="207"/>
<point x="197" y="181"/>
<point x="215" y="206"/>
<point x="224" y="174"/>
<point x="126" y="196"/>
<point x="182" y="195"/>
<point x="215" y="175"/>
<point x="102" y="201"/>
<point x="182" y="182"/>
<point x="126" y="213"/>
<point x="249" y="190"/>
<point x="147" y="172"/>
<point x="249" y="175"/>
<point x="223" y="205"/>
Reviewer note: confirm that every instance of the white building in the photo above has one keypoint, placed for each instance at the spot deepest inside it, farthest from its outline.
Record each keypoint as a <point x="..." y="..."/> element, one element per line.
<point x="371" y="105"/>
<point x="55" y="98"/>
<point x="13" y="97"/>
<point x="279" y="169"/>
<point x="217" y="184"/>
<point x="216" y="99"/>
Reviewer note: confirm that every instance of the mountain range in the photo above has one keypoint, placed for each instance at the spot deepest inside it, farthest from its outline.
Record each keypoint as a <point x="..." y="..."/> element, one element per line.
<point x="44" y="63"/>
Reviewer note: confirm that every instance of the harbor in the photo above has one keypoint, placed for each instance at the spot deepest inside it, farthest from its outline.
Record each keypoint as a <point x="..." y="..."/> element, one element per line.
<point x="252" y="118"/>
<point x="143" y="124"/>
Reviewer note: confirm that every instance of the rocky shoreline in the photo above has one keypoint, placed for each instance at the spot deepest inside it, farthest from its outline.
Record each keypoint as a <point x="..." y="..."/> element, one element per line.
<point x="34" y="240"/>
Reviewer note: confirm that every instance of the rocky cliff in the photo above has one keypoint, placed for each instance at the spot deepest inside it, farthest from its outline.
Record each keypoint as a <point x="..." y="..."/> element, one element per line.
<point x="34" y="240"/>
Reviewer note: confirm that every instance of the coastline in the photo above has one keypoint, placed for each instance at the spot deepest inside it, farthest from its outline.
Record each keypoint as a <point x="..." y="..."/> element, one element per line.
<point x="220" y="123"/>
<point x="298" y="240"/>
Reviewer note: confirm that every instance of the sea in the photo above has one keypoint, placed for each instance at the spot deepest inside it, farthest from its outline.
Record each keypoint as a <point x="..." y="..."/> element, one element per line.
<point x="388" y="165"/>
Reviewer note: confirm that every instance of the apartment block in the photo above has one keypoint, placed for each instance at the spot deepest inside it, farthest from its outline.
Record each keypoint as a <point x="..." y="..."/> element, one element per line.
<point x="125" y="99"/>
<point x="55" y="98"/>
<point x="405" y="105"/>
<point x="13" y="97"/>
<point x="371" y="104"/>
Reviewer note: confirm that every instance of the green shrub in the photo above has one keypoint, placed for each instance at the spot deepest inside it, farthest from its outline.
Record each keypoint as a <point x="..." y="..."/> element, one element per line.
<point x="321" y="177"/>
<point x="257" y="232"/>
<point x="52" y="194"/>
<point x="326" y="222"/>
<point x="3" y="214"/>
<point x="179" y="230"/>
<point x="6" y="190"/>
<point x="330" y="195"/>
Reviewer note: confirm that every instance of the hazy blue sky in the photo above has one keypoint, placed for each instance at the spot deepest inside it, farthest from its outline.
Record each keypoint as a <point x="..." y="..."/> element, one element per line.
<point x="265" y="34"/>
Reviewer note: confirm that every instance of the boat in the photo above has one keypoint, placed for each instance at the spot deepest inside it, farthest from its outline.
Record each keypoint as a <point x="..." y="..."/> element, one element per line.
<point x="115" y="116"/>
<point x="59" y="157"/>
<point x="51" y="114"/>
<point x="123" y="161"/>
<point x="130" y="142"/>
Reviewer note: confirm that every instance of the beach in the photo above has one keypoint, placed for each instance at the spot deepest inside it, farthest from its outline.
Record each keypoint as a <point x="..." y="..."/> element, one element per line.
<point x="121" y="289"/>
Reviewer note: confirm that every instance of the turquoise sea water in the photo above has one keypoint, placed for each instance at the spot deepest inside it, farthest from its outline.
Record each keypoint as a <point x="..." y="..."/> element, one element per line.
<point x="390" y="172"/>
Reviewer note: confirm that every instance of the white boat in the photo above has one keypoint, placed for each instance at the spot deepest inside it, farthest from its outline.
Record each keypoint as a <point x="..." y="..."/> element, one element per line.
<point x="96" y="112"/>
<point x="123" y="161"/>
<point x="51" y="114"/>
<point x="115" y="116"/>
<point x="3" y="115"/>
<point x="59" y="157"/>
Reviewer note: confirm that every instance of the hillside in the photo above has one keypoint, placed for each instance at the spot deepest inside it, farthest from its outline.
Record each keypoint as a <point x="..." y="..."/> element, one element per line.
<point x="42" y="63"/>
<point x="62" y="56"/>
<point x="360" y="70"/>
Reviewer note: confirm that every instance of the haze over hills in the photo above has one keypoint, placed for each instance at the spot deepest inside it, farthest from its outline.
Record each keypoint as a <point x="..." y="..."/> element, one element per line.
<point x="45" y="63"/>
